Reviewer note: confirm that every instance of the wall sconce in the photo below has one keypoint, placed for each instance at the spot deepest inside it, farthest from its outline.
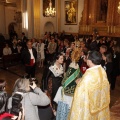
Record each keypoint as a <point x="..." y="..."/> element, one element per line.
<point x="118" y="8"/>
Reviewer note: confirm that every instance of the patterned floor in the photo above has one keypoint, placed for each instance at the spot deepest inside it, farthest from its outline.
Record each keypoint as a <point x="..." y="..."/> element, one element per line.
<point x="115" y="109"/>
<point x="14" y="72"/>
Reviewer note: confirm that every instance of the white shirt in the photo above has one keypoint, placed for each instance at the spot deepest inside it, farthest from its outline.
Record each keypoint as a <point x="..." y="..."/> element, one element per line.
<point x="31" y="54"/>
<point x="7" y="51"/>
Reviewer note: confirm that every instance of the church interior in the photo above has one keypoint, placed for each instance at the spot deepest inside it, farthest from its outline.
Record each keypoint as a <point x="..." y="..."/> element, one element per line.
<point x="74" y="19"/>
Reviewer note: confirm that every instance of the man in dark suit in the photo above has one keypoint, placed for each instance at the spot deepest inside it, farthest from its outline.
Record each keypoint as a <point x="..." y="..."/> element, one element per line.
<point x="24" y="40"/>
<point x="46" y="48"/>
<point x="29" y="56"/>
<point x="93" y="44"/>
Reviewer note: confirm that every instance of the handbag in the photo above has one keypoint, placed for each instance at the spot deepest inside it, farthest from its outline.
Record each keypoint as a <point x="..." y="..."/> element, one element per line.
<point x="62" y="111"/>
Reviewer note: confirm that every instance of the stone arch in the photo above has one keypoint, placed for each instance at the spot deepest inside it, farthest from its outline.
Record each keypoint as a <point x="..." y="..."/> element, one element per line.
<point x="49" y="27"/>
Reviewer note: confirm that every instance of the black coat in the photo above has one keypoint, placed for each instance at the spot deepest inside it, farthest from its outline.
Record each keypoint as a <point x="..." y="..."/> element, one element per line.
<point x="49" y="79"/>
<point x="93" y="45"/>
<point x="25" y="56"/>
<point x="109" y="67"/>
<point x="116" y="64"/>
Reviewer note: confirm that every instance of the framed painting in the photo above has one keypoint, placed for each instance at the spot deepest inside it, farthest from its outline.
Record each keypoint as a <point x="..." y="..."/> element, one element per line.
<point x="71" y="12"/>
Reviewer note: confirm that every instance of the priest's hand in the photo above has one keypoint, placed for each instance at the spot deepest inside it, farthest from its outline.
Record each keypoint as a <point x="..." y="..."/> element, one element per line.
<point x="77" y="80"/>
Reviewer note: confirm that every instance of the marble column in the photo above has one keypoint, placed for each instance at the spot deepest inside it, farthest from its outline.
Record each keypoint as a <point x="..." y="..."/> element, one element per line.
<point x="19" y="24"/>
<point x="36" y="8"/>
<point x="23" y="9"/>
<point x="110" y="14"/>
<point x="94" y="13"/>
<point x="116" y="15"/>
<point x="85" y="12"/>
<point x="30" y="16"/>
<point x="58" y="14"/>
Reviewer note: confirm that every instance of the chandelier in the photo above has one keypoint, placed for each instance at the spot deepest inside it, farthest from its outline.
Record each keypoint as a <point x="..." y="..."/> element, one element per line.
<point x="118" y="8"/>
<point x="50" y="12"/>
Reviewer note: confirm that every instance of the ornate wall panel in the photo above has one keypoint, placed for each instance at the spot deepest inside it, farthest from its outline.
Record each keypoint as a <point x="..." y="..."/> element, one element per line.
<point x="101" y="15"/>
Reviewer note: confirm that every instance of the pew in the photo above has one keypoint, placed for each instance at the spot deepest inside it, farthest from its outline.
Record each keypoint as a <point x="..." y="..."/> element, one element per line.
<point x="8" y="59"/>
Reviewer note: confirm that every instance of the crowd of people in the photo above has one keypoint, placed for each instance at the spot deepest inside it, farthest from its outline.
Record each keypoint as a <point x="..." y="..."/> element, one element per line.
<point x="78" y="75"/>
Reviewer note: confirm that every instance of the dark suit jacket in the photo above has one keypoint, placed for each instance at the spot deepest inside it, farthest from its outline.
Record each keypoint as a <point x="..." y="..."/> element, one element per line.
<point x="109" y="68"/>
<point x="93" y="45"/>
<point x="24" y="39"/>
<point x="25" y="56"/>
<point x="46" y="45"/>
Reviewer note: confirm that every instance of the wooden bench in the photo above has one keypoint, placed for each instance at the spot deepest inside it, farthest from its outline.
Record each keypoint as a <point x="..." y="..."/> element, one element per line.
<point x="9" y="60"/>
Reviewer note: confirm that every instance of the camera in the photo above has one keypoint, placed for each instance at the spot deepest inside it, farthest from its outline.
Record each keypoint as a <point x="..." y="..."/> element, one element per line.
<point x="16" y="104"/>
<point x="3" y="100"/>
<point x="3" y="96"/>
<point x="33" y="80"/>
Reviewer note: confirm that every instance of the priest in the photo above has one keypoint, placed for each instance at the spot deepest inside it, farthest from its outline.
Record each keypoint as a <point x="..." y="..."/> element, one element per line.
<point x="92" y="94"/>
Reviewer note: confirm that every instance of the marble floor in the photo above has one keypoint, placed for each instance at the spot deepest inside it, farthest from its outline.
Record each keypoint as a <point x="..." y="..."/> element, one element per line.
<point x="11" y="74"/>
<point x="14" y="72"/>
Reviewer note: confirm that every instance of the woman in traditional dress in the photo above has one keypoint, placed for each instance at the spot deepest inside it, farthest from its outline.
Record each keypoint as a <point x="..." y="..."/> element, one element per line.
<point x="66" y="91"/>
<point x="51" y="81"/>
<point x="54" y="77"/>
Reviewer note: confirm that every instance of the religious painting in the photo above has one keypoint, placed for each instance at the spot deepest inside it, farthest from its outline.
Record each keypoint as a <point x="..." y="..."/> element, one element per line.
<point x="46" y="4"/>
<point x="71" y="12"/>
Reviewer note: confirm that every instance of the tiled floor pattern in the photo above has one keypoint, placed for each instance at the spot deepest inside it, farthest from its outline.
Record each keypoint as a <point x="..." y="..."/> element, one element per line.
<point x="14" y="72"/>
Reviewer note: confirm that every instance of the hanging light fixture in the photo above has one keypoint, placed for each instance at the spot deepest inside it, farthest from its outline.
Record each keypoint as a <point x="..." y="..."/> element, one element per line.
<point x="50" y="12"/>
<point x="118" y="8"/>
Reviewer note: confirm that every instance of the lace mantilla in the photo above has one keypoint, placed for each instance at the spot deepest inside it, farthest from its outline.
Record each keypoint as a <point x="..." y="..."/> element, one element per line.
<point x="56" y="71"/>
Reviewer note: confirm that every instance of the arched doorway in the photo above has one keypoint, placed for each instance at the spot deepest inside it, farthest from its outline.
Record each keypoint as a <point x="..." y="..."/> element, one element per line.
<point x="49" y="27"/>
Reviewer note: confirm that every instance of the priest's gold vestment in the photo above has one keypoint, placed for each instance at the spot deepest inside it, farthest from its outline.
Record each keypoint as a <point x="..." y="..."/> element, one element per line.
<point x="92" y="96"/>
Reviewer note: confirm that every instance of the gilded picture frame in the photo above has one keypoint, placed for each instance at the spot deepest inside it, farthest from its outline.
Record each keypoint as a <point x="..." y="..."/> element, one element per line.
<point x="71" y="12"/>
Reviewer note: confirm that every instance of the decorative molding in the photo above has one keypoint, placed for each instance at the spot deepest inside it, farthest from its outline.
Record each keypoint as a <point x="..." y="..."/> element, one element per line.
<point x="110" y="27"/>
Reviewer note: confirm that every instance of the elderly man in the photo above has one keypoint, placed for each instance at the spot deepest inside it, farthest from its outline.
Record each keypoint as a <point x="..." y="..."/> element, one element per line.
<point x="29" y="56"/>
